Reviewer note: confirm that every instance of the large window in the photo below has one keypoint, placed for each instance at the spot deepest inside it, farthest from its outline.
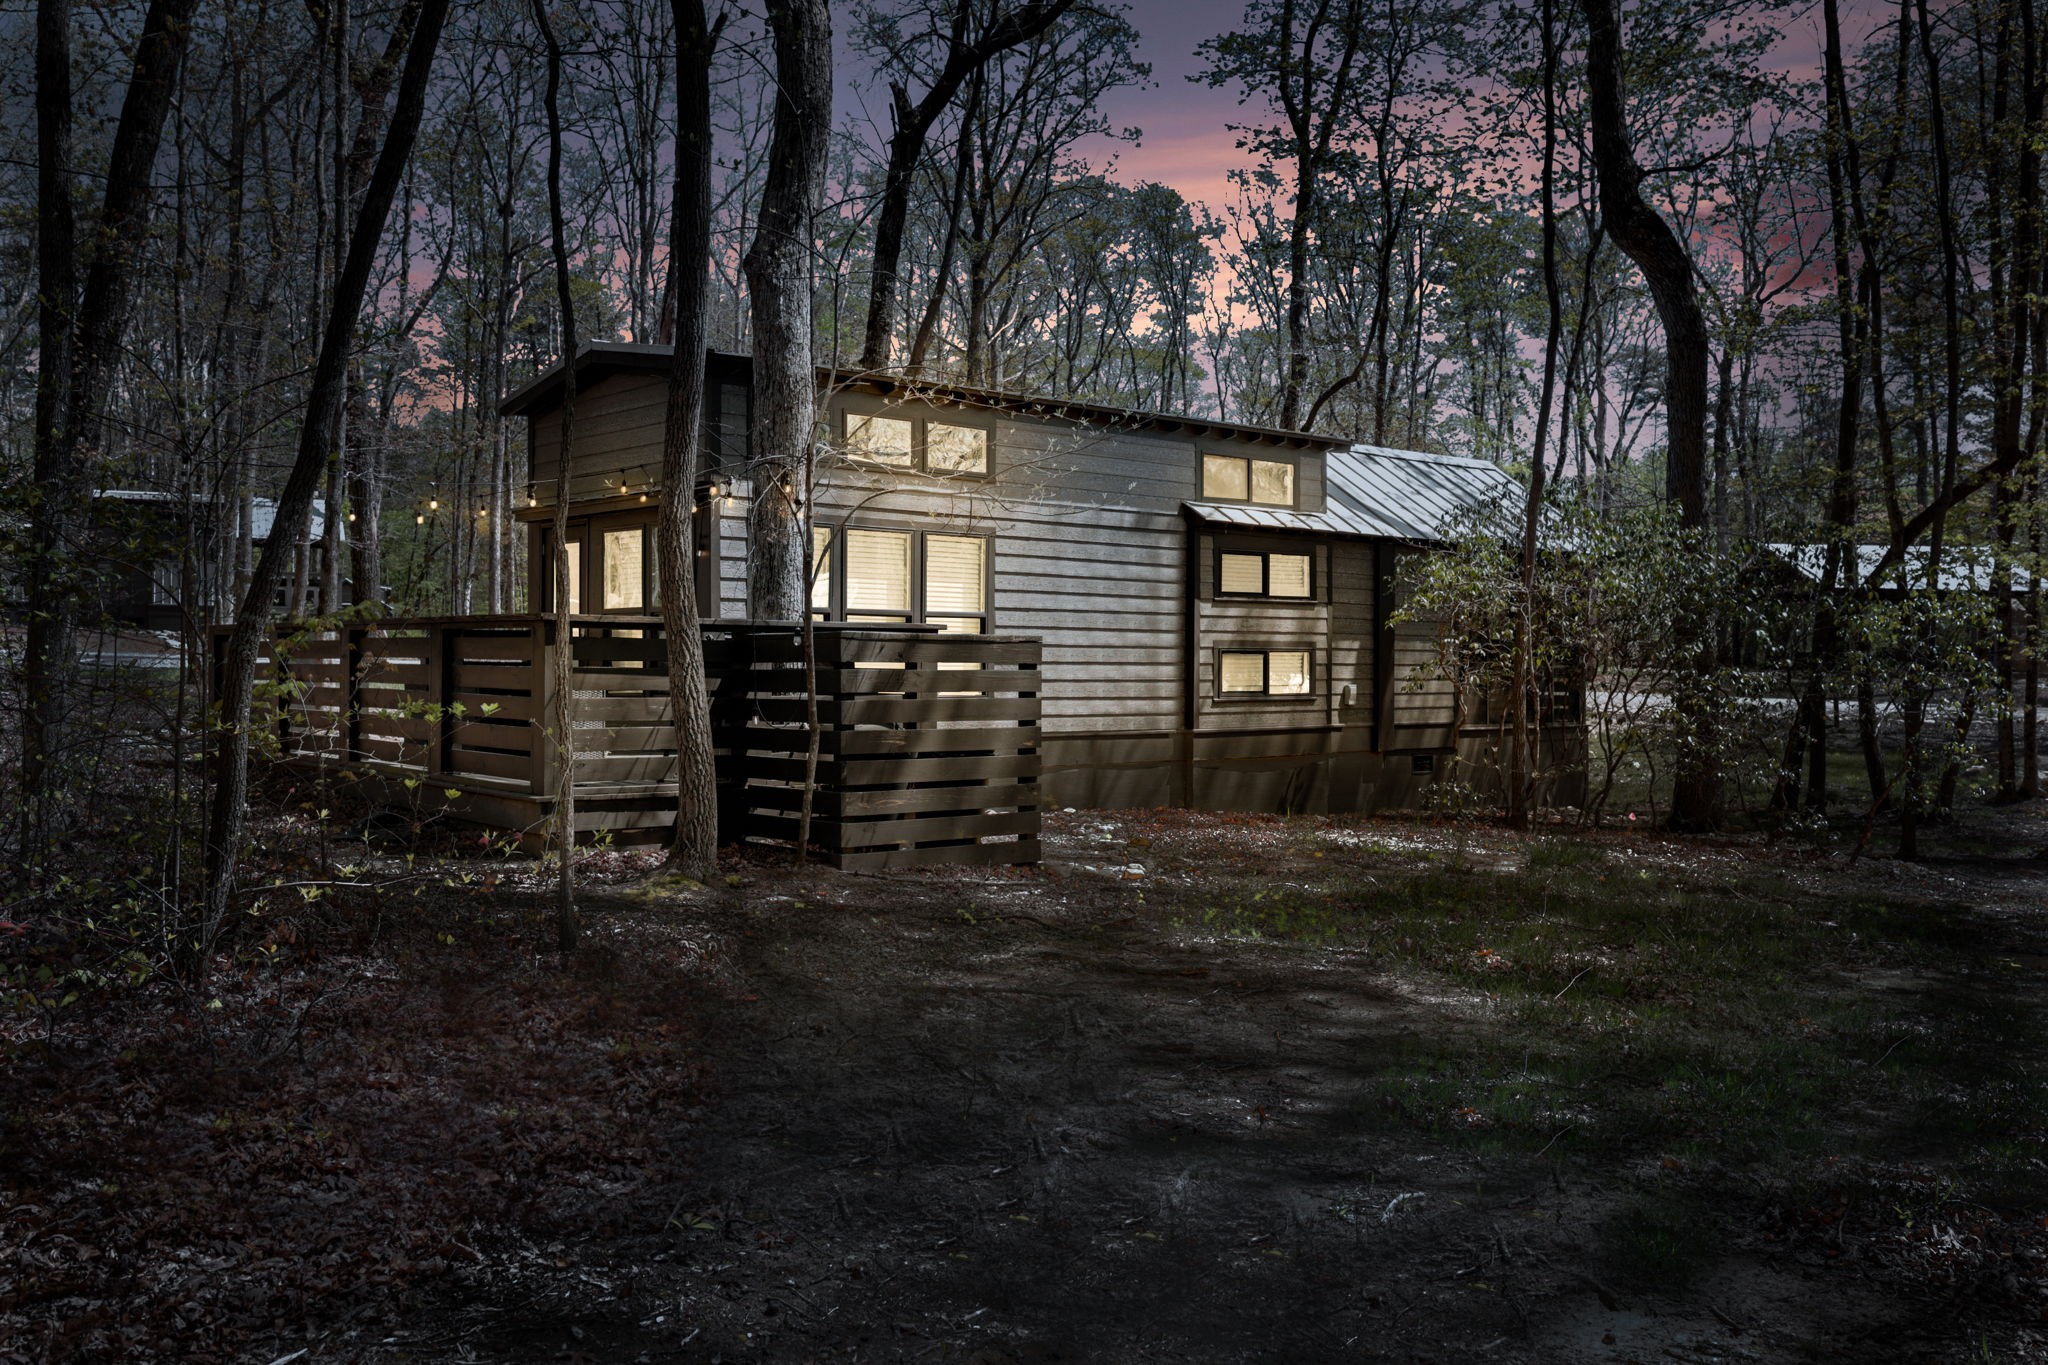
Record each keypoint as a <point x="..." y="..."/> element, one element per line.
<point x="1263" y="573"/>
<point x="907" y="441"/>
<point x="1239" y="478"/>
<point x="862" y="574"/>
<point x="1244" y="673"/>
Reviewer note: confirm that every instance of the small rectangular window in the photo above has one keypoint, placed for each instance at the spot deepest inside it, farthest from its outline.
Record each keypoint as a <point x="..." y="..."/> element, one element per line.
<point x="1240" y="573"/>
<point x="1240" y="673"/>
<point x="1264" y="672"/>
<point x="1272" y="483"/>
<point x="1287" y="672"/>
<point x="878" y="574"/>
<point x="1287" y="575"/>
<point x="950" y="449"/>
<point x="821" y="568"/>
<point x="625" y="581"/>
<point x="1226" y="476"/>
<point x="955" y="575"/>
<point x="886" y="440"/>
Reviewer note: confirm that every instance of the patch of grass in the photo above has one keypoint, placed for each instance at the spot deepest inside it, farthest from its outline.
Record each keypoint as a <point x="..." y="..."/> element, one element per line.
<point x="1602" y="1006"/>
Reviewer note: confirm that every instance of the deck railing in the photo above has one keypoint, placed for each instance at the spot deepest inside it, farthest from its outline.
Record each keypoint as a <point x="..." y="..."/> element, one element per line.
<point x="927" y="743"/>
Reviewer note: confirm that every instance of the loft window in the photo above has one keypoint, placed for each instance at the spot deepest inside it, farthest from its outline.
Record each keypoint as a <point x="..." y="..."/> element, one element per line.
<point x="861" y="574"/>
<point x="1239" y="478"/>
<point x="910" y="442"/>
<point x="1259" y="573"/>
<point x="885" y="440"/>
<point x="1262" y="673"/>
<point x="953" y="449"/>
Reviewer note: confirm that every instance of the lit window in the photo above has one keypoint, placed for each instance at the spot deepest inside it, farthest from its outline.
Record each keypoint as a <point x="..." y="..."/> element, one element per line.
<point x="821" y="568"/>
<point x="1246" y="573"/>
<point x="878" y="575"/>
<point x="1287" y="672"/>
<point x="625" y="570"/>
<point x="885" y="440"/>
<point x="1287" y="575"/>
<point x="1226" y="476"/>
<point x="955" y="450"/>
<point x="1241" y="573"/>
<point x="955" y="581"/>
<point x="1273" y="483"/>
<point x="1241" y="673"/>
<point x="1263" y="673"/>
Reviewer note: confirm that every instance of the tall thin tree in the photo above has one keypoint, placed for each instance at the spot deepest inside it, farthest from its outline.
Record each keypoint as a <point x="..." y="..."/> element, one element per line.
<point x="694" y="849"/>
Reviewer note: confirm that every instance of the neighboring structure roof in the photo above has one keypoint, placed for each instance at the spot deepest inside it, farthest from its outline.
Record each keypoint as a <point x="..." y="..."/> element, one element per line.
<point x="1962" y="566"/>
<point x="599" y="359"/>
<point x="262" y="511"/>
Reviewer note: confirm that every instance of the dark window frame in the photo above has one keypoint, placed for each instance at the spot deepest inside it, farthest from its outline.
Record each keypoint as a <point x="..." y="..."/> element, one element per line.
<point x="1265" y="692"/>
<point x="920" y="449"/>
<point x="835" y="569"/>
<point x="1202" y="479"/>
<point x="1265" y="558"/>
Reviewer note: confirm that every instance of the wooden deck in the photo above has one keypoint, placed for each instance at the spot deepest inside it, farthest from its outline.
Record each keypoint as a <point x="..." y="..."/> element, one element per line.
<point x="928" y="745"/>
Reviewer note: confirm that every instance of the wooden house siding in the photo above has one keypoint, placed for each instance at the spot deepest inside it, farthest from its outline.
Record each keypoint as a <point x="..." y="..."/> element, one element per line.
<point x="1094" y="551"/>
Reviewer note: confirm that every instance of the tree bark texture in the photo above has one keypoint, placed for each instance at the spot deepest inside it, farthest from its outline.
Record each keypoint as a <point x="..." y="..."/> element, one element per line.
<point x="228" y="820"/>
<point x="910" y="125"/>
<point x="779" y="268"/>
<point x="562" y="687"/>
<point x="1667" y="269"/>
<point x="80" y="345"/>
<point x="693" y="852"/>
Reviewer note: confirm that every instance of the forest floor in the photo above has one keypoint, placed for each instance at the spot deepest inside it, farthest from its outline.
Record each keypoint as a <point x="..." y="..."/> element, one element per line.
<point x="1202" y="1087"/>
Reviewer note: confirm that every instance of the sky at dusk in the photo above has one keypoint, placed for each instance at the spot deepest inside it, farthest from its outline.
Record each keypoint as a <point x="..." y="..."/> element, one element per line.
<point x="1186" y="139"/>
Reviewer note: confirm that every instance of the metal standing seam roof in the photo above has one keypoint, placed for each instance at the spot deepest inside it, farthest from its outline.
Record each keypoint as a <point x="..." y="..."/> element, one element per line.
<point x="1376" y="492"/>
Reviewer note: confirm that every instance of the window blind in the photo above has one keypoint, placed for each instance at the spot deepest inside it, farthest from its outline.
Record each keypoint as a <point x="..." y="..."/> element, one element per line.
<point x="1241" y="673"/>
<point x="1240" y="573"/>
<point x="878" y="571"/>
<point x="1287" y="575"/>
<point x="954" y="575"/>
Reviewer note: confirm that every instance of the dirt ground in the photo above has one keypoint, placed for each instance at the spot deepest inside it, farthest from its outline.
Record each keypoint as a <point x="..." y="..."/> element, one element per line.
<point x="1054" y="1115"/>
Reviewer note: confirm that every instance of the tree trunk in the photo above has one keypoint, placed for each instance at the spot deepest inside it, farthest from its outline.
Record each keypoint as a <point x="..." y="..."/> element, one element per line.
<point x="564" y="656"/>
<point x="911" y="124"/>
<point x="1667" y="269"/>
<point x="80" y="343"/>
<point x="694" y="850"/>
<point x="1523" y="762"/>
<point x="294" y="508"/>
<point x="779" y="272"/>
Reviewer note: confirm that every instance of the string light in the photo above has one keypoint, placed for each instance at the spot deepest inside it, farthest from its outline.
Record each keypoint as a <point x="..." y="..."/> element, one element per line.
<point x="419" y="518"/>
<point x="433" y="504"/>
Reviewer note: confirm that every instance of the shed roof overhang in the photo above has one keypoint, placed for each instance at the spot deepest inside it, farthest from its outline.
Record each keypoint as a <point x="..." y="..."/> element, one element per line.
<point x="601" y="359"/>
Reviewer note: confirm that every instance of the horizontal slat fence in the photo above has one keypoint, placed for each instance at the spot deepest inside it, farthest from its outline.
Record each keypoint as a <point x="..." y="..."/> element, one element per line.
<point x="927" y="749"/>
<point x="927" y="743"/>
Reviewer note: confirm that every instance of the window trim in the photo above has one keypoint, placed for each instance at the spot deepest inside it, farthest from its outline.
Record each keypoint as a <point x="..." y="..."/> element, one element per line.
<point x="835" y="570"/>
<point x="1265" y="693"/>
<point x="920" y="437"/>
<point x="1202" y="480"/>
<point x="1265" y="558"/>
<point x="588" y="531"/>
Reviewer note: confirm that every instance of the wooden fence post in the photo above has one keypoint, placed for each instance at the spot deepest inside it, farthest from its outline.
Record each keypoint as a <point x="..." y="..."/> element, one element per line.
<point x="351" y="694"/>
<point x="544" y="775"/>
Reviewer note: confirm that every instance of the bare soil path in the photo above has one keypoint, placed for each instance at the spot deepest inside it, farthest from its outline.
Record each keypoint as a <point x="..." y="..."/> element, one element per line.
<point x="1058" y="1116"/>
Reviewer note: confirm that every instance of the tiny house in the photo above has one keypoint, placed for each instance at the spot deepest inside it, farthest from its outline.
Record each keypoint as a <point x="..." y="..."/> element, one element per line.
<point x="1217" y="602"/>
